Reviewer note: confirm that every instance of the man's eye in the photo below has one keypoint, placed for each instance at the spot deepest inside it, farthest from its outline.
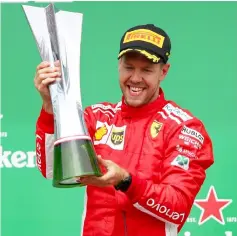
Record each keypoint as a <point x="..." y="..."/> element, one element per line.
<point x="129" y="68"/>
<point x="147" y="70"/>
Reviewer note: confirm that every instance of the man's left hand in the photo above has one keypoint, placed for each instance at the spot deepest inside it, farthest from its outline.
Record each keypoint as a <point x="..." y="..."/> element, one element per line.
<point x="113" y="175"/>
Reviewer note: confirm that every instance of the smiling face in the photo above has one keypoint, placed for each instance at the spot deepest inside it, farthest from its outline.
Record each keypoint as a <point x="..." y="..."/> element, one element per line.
<point x="140" y="79"/>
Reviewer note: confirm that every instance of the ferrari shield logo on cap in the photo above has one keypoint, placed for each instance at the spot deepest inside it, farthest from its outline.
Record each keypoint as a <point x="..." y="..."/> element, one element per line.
<point x="155" y="128"/>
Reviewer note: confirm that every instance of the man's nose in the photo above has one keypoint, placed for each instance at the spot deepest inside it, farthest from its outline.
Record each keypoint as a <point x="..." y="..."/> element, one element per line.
<point x="136" y="76"/>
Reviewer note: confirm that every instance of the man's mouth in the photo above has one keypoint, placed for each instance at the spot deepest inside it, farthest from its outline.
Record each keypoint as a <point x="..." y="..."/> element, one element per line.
<point x="135" y="91"/>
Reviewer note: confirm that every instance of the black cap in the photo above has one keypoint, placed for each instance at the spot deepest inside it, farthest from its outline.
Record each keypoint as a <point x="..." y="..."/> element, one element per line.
<point x="149" y="40"/>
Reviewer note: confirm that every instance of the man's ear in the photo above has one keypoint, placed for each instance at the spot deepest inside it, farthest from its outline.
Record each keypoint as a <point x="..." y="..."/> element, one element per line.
<point x="119" y="63"/>
<point x="164" y="68"/>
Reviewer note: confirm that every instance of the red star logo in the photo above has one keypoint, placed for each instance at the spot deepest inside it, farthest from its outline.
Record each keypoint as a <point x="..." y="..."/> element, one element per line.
<point x="212" y="207"/>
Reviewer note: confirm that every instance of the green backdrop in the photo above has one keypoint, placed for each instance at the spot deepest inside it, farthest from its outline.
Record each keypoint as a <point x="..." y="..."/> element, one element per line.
<point x="202" y="78"/>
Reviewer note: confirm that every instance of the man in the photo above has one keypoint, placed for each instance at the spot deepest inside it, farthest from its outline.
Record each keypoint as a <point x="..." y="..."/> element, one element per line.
<point x="155" y="152"/>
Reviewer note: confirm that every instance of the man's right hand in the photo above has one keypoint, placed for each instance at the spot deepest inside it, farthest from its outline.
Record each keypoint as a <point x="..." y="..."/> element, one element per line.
<point x="46" y="75"/>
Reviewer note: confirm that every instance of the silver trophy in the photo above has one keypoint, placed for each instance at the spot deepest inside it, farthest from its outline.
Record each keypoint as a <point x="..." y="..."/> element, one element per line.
<point x="58" y="38"/>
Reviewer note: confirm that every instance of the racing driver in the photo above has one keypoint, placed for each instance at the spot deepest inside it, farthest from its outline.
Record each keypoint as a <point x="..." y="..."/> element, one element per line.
<point x="156" y="165"/>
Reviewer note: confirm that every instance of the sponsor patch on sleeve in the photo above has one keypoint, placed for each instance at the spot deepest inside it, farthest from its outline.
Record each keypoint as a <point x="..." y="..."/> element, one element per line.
<point x="192" y="133"/>
<point x="181" y="161"/>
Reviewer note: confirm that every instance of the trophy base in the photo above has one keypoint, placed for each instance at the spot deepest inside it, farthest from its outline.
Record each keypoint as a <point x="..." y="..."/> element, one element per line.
<point x="74" y="159"/>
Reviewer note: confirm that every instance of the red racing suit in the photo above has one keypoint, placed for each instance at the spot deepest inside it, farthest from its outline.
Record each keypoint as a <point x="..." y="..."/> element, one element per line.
<point x="165" y="148"/>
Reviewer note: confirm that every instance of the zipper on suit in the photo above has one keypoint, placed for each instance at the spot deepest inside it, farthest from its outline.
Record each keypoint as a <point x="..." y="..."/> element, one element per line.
<point x="125" y="225"/>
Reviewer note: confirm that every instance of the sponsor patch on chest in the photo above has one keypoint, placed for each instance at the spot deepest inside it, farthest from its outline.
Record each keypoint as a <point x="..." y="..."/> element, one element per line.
<point x="110" y="135"/>
<point x="155" y="128"/>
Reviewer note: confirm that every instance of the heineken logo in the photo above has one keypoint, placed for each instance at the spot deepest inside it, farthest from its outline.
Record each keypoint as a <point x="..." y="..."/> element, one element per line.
<point x="17" y="159"/>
